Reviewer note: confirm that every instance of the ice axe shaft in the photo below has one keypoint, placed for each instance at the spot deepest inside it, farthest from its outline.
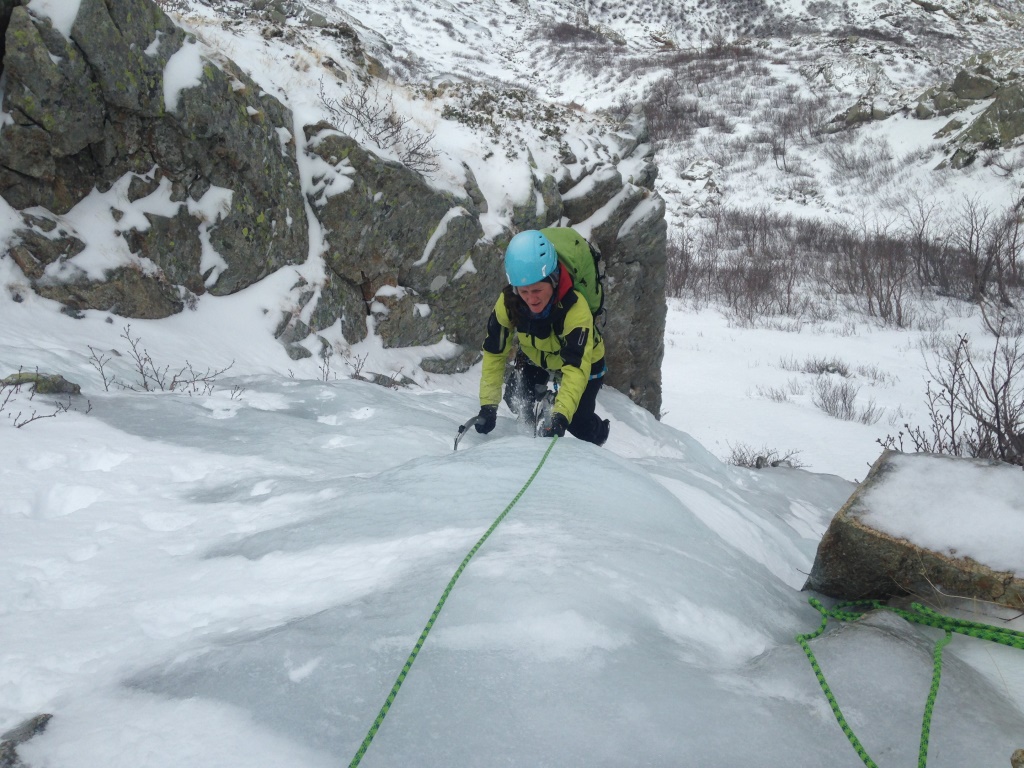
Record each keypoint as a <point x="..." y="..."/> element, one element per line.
<point x="464" y="429"/>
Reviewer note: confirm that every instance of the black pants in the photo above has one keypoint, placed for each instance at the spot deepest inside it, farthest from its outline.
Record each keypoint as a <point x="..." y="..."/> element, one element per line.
<point x="526" y="384"/>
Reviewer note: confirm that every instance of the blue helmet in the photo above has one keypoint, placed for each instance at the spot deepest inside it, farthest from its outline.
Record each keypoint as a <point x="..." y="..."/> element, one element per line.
<point x="529" y="258"/>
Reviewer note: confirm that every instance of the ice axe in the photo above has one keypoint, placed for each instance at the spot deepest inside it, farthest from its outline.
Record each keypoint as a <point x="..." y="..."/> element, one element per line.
<point x="464" y="429"/>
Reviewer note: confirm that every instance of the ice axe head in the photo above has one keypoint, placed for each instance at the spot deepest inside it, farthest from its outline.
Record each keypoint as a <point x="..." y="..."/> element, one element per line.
<point x="464" y="429"/>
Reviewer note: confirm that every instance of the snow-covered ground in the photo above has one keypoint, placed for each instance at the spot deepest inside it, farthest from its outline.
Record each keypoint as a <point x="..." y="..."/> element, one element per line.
<point x="236" y="578"/>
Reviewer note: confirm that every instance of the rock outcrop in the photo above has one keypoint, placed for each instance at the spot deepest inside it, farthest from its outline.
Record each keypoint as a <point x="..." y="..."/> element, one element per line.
<point x="856" y="560"/>
<point x="90" y="111"/>
<point x="199" y="178"/>
<point x="997" y="76"/>
<point x="10" y="740"/>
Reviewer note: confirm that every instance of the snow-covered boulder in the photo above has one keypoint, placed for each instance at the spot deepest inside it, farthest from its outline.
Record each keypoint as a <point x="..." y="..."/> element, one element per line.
<point x="923" y="525"/>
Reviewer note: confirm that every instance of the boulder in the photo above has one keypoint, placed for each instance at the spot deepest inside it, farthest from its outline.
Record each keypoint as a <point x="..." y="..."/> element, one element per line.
<point x="42" y="383"/>
<point x="585" y="197"/>
<point x="857" y="560"/>
<point x="973" y="85"/>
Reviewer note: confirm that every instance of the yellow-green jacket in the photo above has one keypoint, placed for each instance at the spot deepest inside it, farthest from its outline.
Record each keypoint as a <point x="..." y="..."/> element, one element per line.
<point x="565" y="341"/>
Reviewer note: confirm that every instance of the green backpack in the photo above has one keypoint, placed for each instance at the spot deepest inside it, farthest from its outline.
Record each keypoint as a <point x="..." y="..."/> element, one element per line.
<point x="581" y="259"/>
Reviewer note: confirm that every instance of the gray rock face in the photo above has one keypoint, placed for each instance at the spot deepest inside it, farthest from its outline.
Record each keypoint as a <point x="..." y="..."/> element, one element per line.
<point x="90" y="114"/>
<point x="973" y="85"/>
<point x="378" y="234"/>
<point x="993" y="76"/>
<point x="90" y="109"/>
<point x="856" y="561"/>
<point x="10" y="740"/>
<point x="379" y="228"/>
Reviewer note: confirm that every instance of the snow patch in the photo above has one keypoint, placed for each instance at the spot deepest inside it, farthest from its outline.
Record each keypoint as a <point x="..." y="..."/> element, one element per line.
<point x="183" y="70"/>
<point x="61" y="13"/>
<point x="441" y="231"/>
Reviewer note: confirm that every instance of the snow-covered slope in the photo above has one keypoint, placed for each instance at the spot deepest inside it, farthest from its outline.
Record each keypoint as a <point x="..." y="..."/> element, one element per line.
<point x="236" y="578"/>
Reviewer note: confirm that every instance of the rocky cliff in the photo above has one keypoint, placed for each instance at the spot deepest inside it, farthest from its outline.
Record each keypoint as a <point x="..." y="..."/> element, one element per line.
<point x="209" y="184"/>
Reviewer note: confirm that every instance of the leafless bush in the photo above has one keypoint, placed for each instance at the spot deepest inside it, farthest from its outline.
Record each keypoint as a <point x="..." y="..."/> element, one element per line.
<point x="326" y="353"/>
<point x="565" y="33"/>
<point x="872" y="163"/>
<point x="679" y="262"/>
<point x="988" y="251"/>
<point x="839" y="400"/>
<point x="876" y="267"/>
<point x="775" y="394"/>
<point x="1003" y="163"/>
<point x="816" y="365"/>
<point x="373" y="114"/>
<point x="744" y="455"/>
<point x="1003" y="319"/>
<point x="764" y="264"/>
<point x="975" y="405"/>
<point x="793" y="121"/>
<point x="148" y="376"/>
<point x="870" y="413"/>
<point x="877" y="375"/>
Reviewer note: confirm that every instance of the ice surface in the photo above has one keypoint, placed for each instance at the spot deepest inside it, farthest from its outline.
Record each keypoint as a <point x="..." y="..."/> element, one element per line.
<point x="252" y="580"/>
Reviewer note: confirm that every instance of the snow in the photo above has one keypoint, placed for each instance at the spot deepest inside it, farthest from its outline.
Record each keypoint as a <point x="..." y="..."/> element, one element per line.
<point x="61" y="13"/>
<point x="236" y="578"/>
<point x="440" y="231"/>
<point x="183" y="70"/>
<point x="985" y="503"/>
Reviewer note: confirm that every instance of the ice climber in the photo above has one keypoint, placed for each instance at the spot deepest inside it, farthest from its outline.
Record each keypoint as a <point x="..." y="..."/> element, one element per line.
<point x="556" y="334"/>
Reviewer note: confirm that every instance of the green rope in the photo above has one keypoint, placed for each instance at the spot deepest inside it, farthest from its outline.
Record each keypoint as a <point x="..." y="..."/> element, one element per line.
<point x="919" y="614"/>
<point x="437" y="610"/>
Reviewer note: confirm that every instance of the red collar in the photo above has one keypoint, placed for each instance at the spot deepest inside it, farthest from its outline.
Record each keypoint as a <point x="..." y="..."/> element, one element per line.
<point x="564" y="284"/>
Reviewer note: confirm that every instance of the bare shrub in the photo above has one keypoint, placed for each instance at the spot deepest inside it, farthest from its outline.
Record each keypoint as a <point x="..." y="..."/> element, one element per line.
<point x="1003" y="319"/>
<point x="975" y="405"/>
<point x="374" y="115"/>
<point x="762" y="263"/>
<point x="148" y="376"/>
<point x="877" y="375"/>
<point x="870" y="413"/>
<point x="872" y="163"/>
<point x="816" y="365"/>
<point x="793" y="120"/>
<point x="838" y="400"/>
<point x="679" y="262"/>
<point x="744" y="455"/>
<point x="1003" y="163"/>
<point x="565" y="33"/>
<point x="775" y="394"/>
<point x="875" y="267"/>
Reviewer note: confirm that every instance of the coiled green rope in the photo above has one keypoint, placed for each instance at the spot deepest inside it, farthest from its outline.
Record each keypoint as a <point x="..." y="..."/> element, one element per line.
<point x="437" y="610"/>
<point x="919" y="614"/>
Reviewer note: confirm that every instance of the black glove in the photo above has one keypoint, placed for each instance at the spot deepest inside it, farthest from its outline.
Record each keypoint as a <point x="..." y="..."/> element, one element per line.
<point x="553" y="426"/>
<point x="486" y="419"/>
